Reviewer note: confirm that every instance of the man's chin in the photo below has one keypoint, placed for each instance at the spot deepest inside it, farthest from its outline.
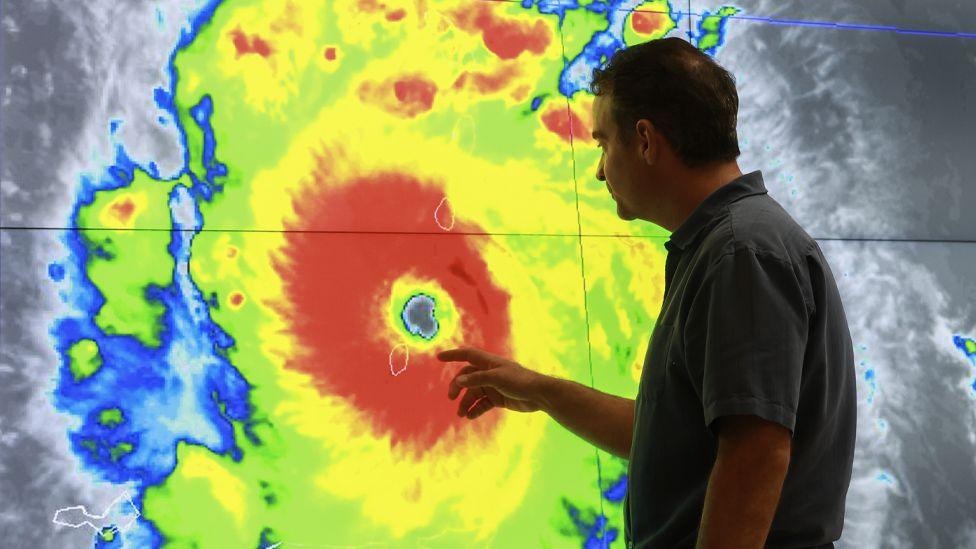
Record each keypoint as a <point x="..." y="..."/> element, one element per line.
<point x="624" y="213"/>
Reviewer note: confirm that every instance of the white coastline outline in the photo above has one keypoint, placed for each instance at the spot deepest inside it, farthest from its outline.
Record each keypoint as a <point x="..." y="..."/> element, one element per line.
<point x="406" y="359"/>
<point x="104" y="515"/>
<point x="438" y="209"/>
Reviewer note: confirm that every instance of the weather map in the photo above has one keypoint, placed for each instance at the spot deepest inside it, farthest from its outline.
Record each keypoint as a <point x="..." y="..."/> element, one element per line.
<point x="250" y="343"/>
<point x="233" y="235"/>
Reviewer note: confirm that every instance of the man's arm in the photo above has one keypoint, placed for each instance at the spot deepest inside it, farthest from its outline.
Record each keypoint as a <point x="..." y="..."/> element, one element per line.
<point x="490" y="381"/>
<point x="605" y="420"/>
<point x="745" y="484"/>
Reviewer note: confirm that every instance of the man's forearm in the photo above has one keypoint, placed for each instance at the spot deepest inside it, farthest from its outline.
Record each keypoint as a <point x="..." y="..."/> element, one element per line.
<point x="605" y="420"/>
<point x="745" y="484"/>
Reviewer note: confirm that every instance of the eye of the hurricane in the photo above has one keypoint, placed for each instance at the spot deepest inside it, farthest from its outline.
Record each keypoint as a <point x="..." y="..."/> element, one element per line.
<point x="374" y="296"/>
<point x="418" y="316"/>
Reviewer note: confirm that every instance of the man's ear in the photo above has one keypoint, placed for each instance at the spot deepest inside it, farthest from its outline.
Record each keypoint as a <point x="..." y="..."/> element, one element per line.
<point x="647" y="141"/>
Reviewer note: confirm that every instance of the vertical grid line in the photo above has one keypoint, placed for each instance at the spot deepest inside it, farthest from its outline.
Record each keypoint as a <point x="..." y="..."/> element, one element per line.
<point x="586" y="310"/>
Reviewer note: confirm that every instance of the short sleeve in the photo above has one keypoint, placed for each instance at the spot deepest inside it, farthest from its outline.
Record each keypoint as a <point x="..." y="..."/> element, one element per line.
<point x="745" y="338"/>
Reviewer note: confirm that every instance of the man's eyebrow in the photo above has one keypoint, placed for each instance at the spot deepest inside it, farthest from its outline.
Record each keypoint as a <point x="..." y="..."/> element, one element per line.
<point x="597" y="134"/>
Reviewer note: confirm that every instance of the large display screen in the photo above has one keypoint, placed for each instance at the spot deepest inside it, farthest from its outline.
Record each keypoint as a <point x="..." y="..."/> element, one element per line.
<point x="236" y="233"/>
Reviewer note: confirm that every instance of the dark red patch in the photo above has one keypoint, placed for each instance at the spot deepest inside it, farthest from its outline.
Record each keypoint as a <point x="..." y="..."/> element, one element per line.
<point x="411" y="95"/>
<point x="123" y="210"/>
<point x="330" y="54"/>
<point x="236" y="298"/>
<point x="415" y="93"/>
<point x="506" y="38"/>
<point x="337" y="287"/>
<point x="565" y="123"/>
<point x="231" y="252"/>
<point x="396" y="15"/>
<point x="253" y="44"/>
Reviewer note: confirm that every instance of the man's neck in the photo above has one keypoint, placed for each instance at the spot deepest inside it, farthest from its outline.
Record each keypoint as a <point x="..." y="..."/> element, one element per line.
<point x="696" y="185"/>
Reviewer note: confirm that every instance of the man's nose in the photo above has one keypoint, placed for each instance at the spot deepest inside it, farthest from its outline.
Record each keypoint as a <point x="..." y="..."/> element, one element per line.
<point x="599" y="172"/>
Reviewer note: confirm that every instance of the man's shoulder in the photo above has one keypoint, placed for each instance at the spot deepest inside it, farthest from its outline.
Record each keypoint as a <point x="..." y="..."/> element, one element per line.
<point x="759" y="225"/>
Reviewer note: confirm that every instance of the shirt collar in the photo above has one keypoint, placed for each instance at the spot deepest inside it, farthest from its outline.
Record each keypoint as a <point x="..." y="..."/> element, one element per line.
<point x="745" y="185"/>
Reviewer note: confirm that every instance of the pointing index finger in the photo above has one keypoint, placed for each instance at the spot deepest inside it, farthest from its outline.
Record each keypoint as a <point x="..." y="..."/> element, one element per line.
<point x="465" y="354"/>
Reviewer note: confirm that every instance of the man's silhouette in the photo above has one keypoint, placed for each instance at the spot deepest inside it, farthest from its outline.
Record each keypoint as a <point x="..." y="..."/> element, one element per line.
<point x="742" y="431"/>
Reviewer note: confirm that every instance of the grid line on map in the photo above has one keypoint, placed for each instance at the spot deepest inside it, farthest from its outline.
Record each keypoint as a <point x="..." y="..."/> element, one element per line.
<point x="963" y="241"/>
<point x="325" y="231"/>
<point x="586" y="309"/>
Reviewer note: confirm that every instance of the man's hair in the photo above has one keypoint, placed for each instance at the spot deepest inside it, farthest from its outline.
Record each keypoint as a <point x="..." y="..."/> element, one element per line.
<point x="690" y="99"/>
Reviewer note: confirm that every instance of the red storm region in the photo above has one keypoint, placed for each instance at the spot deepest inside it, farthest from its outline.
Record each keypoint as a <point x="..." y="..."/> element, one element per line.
<point x="338" y="263"/>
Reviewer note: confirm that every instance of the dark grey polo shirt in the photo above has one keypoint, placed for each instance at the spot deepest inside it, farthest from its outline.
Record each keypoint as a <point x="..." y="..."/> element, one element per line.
<point x="751" y="323"/>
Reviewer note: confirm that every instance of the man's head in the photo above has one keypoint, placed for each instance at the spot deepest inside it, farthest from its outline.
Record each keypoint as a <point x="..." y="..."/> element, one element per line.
<point x="663" y="111"/>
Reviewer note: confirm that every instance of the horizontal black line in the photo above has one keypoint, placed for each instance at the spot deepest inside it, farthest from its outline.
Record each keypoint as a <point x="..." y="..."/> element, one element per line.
<point x="467" y="233"/>
<point x="327" y="231"/>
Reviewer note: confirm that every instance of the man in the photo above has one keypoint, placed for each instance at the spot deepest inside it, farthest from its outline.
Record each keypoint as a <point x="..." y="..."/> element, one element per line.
<point x="742" y="432"/>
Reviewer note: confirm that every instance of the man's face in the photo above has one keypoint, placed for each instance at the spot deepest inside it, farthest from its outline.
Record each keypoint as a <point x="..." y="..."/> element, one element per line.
<point x="619" y="164"/>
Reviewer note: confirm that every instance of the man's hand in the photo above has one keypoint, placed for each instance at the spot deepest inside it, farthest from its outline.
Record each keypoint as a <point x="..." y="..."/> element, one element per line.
<point x="490" y="381"/>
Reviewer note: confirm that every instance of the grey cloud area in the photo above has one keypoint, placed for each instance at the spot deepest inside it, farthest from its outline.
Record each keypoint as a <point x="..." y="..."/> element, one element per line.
<point x="869" y="135"/>
<point x="45" y="97"/>
<point x="38" y="473"/>
<point x="902" y="303"/>
<point x="860" y="122"/>
<point x="68" y="68"/>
